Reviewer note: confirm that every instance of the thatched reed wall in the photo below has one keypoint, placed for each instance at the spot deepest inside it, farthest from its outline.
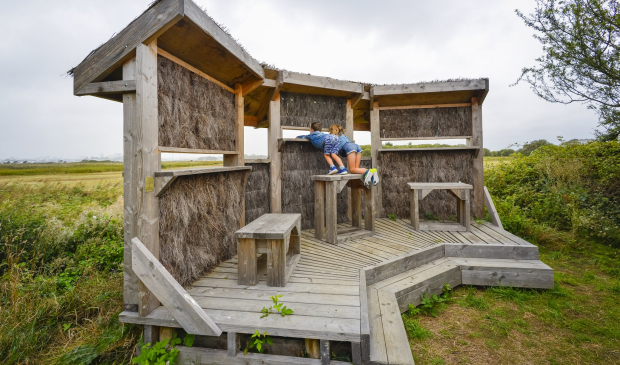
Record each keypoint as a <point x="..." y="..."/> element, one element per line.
<point x="257" y="191"/>
<point x="301" y="110"/>
<point x="193" y="111"/>
<point x="301" y="160"/>
<point x="198" y="217"/>
<point x="432" y="122"/>
<point x="400" y="168"/>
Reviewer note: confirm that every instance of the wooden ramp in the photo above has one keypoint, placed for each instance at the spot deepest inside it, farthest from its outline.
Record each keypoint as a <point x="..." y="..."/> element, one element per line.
<point x="356" y="290"/>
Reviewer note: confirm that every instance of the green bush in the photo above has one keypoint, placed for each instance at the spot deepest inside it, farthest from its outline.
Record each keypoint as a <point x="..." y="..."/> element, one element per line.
<point x="572" y="188"/>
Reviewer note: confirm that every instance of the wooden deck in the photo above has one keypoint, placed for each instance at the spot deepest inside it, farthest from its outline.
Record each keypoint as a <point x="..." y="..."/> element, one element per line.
<point x="323" y="290"/>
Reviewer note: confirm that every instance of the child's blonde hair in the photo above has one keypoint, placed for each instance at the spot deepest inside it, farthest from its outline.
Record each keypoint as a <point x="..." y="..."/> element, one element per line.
<point x="336" y="129"/>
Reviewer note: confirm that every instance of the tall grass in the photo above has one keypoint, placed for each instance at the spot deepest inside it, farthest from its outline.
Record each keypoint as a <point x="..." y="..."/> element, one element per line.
<point x="85" y="167"/>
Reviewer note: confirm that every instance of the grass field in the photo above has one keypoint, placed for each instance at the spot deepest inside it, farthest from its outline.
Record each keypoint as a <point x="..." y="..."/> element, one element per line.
<point x="61" y="249"/>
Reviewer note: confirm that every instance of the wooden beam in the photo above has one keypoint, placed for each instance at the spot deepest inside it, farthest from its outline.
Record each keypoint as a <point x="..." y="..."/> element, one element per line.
<point x="265" y="103"/>
<point x="491" y="209"/>
<point x="172" y="295"/>
<point x="121" y="47"/>
<point x="363" y="96"/>
<point x="349" y="119"/>
<point x="476" y="140"/>
<point x="237" y="159"/>
<point x="270" y="83"/>
<point x="166" y="149"/>
<point x="130" y="189"/>
<point x="362" y="127"/>
<point x="202" y="20"/>
<point x="186" y="65"/>
<point x="250" y="121"/>
<point x="429" y="87"/>
<point x="326" y="83"/>
<point x="425" y="106"/>
<point x="275" y="133"/>
<point x="424" y="138"/>
<point x="248" y="87"/>
<point x="108" y="87"/>
<point x="147" y="161"/>
<point x="375" y="140"/>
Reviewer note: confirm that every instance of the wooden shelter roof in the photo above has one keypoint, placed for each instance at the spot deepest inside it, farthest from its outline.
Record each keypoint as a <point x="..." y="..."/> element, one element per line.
<point x="183" y="30"/>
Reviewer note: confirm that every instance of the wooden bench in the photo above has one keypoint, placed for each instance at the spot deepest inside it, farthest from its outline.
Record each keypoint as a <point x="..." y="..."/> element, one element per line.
<point x="326" y="189"/>
<point x="271" y="243"/>
<point x="419" y="191"/>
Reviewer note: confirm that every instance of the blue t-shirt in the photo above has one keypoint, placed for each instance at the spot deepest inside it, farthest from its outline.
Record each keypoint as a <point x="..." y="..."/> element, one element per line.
<point x="316" y="138"/>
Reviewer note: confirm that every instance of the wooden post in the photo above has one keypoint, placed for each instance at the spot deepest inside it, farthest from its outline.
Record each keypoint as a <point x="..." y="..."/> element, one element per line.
<point x="476" y="140"/>
<point x="369" y="214"/>
<point x="166" y="333"/>
<point x="151" y="334"/>
<point x="130" y="190"/>
<point x="238" y="159"/>
<point x="247" y="270"/>
<point x="331" y="211"/>
<point x="276" y="263"/>
<point x="356" y="207"/>
<point x="356" y="353"/>
<point x="415" y="208"/>
<point x="325" y="352"/>
<point x="375" y="140"/>
<point x="233" y="343"/>
<point x="466" y="212"/>
<point x="146" y="161"/>
<point x="312" y="348"/>
<point x="319" y="209"/>
<point x="275" y="132"/>
<point x="349" y="132"/>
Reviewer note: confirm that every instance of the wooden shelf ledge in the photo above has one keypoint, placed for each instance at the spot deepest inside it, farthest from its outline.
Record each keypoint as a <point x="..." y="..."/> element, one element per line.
<point x="282" y="141"/>
<point x="476" y="149"/>
<point x="163" y="179"/>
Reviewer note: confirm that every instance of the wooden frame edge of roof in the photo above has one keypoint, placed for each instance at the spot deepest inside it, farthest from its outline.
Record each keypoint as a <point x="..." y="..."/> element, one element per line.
<point x="152" y="23"/>
<point x="301" y="82"/>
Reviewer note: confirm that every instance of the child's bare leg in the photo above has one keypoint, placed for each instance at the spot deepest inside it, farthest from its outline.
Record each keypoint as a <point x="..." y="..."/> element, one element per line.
<point x="337" y="159"/>
<point x="354" y="160"/>
<point x="329" y="160"/>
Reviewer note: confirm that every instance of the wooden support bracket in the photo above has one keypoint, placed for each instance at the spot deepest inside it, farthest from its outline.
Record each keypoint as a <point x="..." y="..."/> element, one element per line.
<point x="170" y="293"/>
<point x="162" y="183"/>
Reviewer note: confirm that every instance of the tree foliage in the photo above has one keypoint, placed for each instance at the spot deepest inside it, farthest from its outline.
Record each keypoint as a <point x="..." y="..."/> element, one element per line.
<point x="581" y="55"/>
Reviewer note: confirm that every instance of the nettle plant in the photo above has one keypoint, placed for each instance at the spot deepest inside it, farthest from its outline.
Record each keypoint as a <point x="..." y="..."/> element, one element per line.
<point x="277" y="307"/>
<point x="257" y="340"/>
<point x="160" y="353"/>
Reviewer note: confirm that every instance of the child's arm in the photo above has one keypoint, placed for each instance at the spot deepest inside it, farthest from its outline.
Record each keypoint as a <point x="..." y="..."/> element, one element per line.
<point x="305" y="136"/>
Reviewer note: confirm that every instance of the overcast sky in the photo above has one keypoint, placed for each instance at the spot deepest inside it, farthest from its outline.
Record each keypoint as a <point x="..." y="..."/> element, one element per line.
<point x="387" y="42"/>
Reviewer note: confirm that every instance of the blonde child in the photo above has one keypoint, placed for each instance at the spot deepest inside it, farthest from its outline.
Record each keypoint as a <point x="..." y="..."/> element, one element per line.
<point x="353" y="153"/>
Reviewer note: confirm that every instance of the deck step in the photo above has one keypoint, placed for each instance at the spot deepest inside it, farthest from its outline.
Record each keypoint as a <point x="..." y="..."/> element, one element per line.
<point x="515" y="273"/>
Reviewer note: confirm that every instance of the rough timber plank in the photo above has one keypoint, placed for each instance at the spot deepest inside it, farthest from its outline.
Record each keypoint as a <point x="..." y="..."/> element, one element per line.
<point x="488" y="202"/>
<point x="421" y="277"/>
<point x="159" y="281"/>
<point x="492" y="251"/>
<point x="432" y="286"/>
<point x="516" y="273"/>
<point x="402" y="264"/>
<point x="291" y="287"/>
<point x="287" y="297"/>
<point x="410" y="274"/>
<point x="478" y="163"/>
<point x="336" y="329"/>
<point x="364" y="319"/>
<point x="108" y="87"/>
<point x="429" y="87"/>
<point x="508" y="235"/>
<point x="205" y="356"/>
<point x="397" y="343"/>
<point x="378" y="351"/>
<point x="147" y="161"/>
<point x="117" y="50"/>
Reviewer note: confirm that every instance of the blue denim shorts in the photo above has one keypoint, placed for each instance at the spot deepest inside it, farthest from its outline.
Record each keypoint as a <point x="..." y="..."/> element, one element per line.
<point x="350" y="147"/>
<point x="331" y="143"/>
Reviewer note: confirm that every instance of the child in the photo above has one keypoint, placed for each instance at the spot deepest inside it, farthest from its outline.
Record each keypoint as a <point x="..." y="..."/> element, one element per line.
<point x="329" y="143"/>
<point x="353" y="153"/>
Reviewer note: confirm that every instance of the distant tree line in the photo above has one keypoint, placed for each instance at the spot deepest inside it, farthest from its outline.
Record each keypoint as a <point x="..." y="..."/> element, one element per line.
<point x="526" y="150"/>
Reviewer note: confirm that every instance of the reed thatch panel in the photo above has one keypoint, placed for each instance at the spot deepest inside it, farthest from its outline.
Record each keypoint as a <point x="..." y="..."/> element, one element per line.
<point x="431" y="122"/>
<point x="301" y="110"/>
<point x="257" y="192"/>
<point x="400" y="168"/>
<point x="193" y="111"/>
<point x="299" y="162"/>
<point x="198" y="217"/>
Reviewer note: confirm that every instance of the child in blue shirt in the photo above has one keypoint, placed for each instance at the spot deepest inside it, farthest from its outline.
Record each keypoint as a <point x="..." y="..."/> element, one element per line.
<point x="353" y="153"/>
<point x="330" y="144"/>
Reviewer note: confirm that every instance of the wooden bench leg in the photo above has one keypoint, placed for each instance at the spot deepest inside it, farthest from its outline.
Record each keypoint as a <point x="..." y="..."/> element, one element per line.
<point x="233" y="343"/>
<point x="276" y="263"/>
<point x="331" y="211"/>
<point x="467" y="213"/>
<point x="415" y="208"/>
<point x="356" y="207"/>
<point x="246" y="268"/>
<point x="369" y="215"/>
<point x="459" y="211"/>
<point x="319" y="209"/>
<point x="325" y="352"/>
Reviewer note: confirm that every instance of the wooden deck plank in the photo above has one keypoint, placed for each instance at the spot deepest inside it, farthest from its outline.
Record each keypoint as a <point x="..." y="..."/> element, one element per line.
<point x="292" y="287"/>
<point x="378" y="352"/>
<point x="509" y="235"/>
<point x="398" y="350"/>
<point x="483" y="236"/>
<point x="287" y="297"/>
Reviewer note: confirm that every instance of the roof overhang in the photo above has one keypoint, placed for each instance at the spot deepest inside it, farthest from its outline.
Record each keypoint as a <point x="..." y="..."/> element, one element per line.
<point x="183" y="30"/>
<point x="430" y="93"/>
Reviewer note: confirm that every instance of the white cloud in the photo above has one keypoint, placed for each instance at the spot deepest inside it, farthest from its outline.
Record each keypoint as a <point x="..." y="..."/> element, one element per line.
<point x="387" y="42"/>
